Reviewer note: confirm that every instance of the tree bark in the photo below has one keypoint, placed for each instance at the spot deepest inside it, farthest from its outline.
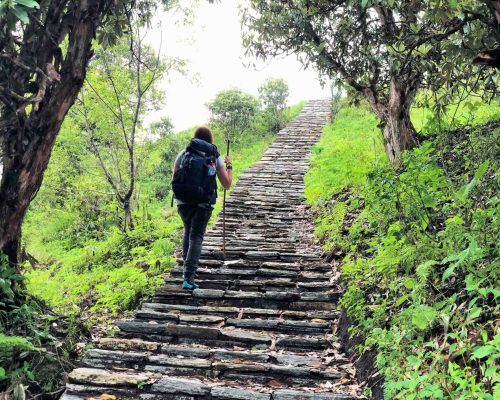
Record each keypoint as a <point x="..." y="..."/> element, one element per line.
<point x="399" y="135"/>
<point x="128" y="222"/>
<point x="398" y="130"/>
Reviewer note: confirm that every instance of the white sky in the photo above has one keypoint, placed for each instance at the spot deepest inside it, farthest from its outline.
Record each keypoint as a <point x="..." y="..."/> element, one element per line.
<point x="212" y="45"/>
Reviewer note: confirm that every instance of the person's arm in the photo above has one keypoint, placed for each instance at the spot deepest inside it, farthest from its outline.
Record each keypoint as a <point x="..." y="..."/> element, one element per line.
<point x="225" y="174"/>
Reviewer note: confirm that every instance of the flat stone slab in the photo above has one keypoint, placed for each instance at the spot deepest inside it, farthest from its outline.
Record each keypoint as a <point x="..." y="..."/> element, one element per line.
<point x="180" y="362"/>
<point x="102" y="377"/>
<point x="238" y="394"/>
<point x="208" y="293"/>
<point x="246" y="336"/>
<point x="296" y="395"/>
<point x="179" y="385"/>
<point x="128" y="344"/>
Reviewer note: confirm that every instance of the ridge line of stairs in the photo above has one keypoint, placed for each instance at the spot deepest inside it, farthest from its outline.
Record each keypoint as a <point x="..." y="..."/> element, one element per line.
<point x="260" y="326"/>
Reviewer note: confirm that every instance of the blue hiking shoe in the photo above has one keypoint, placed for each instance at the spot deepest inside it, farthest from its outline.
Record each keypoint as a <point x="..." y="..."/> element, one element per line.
<point x="189" y="285"/>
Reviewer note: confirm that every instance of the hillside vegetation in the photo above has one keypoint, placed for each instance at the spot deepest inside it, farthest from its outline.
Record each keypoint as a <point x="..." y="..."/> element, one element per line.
<point x="418" y="247"/>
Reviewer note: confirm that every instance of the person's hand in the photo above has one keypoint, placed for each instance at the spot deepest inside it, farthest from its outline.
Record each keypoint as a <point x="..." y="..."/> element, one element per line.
<point x="228" y="160"/>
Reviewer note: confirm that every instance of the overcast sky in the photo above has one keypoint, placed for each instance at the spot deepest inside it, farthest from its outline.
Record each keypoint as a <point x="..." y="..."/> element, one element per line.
<point x="212" y="45"/>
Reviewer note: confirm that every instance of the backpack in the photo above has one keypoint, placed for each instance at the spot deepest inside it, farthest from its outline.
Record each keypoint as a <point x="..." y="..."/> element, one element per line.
<point x="194" y="182"/>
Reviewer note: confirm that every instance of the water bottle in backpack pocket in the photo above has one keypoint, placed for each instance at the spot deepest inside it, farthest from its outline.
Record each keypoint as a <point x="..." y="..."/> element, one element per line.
<point x="195" y="180"/>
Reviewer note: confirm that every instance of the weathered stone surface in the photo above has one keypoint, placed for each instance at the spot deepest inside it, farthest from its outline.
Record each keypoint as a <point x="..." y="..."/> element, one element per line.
<point x="241" y="366"/>
<point x="126" y="356"/>
<point x="298" y="395"/>
<point x="232" y="294"/>
<point x="191" y="331"/>
<point x="179" y="385"/>
<point x="141" y="327"/>
<point x="302" y="342"/>
<point x="246" y="336"/>
<point x="238" y="394"/>
<point x="128" y="344"/>
<point x="155" y="315"/>
<point x="101" y="377"/>
<point x="208" y="293"/>
<point x="255" y="324"/>
<point x="231" y="355"/>
<point x="296" y="360"/>
<point x="212" y="319"/>
<point x="290" y="370"/>
<point x="180" y="362"/>
<point x="185" y="351"/>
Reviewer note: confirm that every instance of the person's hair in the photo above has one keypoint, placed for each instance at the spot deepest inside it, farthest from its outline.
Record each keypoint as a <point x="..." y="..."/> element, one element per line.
<point x="205" y="134"/>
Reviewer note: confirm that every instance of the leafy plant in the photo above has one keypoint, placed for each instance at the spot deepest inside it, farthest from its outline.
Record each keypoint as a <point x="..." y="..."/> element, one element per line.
<point x="419" y="253"/>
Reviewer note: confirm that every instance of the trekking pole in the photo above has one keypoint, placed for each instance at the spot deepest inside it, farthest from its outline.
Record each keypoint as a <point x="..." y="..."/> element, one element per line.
<point x="224" y="215"/>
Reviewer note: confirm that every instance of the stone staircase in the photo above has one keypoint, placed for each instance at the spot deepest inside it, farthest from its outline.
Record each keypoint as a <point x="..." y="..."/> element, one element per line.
<point x="260" y="326"/>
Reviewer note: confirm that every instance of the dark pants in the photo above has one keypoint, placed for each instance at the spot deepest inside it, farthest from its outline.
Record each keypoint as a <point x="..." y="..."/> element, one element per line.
<point x="195" y="221"/>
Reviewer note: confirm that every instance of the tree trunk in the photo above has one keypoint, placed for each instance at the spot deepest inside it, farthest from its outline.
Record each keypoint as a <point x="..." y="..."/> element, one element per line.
<point x="22" y="176"/>
<point x="27" y="139"/>
<point x="398" y="131"/>
<point x="128" y="222"/>
<point x="399" y="135"/>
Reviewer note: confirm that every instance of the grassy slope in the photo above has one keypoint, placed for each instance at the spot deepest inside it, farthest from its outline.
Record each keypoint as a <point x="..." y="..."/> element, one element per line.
<point x="391" y="265"/>
<point x="101" y="277"/>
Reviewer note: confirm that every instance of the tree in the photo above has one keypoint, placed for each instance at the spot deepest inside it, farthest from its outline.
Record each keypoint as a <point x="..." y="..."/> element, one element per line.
<point x="385" y="50"/>
<point x="231" y="111"/>
<point x="43" y="61"/>
<point x="162" y="128"/>
<point x="273" y="94"/>
<point x="120" y="87"/>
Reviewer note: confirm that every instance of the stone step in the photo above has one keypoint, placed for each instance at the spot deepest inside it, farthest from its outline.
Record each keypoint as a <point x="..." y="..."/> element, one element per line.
<point x="220" y="337"/>
<point x="261" y="285"/>
<point x="240" y="298"/>
<point x="316" y="327"/>
<point x="235" y="312"/>
<point x="88" y="383"/>
<point x="238" y="365"/>
<point x="231" y="274"/>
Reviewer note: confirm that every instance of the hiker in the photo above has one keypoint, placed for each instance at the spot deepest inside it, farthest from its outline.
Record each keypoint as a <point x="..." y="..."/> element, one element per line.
<point x="195" y="191"/>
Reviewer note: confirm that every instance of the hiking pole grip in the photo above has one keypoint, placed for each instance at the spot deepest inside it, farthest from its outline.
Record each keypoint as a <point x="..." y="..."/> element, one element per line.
<point x="224" y="214"/>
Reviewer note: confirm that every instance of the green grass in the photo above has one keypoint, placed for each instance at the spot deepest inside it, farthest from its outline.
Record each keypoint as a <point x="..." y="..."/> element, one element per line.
<point x="418" y="248"/>
<point x="348" y="149"/>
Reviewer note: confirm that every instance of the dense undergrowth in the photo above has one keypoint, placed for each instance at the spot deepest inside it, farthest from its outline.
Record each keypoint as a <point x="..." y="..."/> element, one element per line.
<point x="81" y="268"/>
<point x="418" y="246"/>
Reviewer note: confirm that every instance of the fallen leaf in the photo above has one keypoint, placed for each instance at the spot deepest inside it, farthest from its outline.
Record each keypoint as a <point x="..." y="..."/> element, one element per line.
<point x="274" y="384"/>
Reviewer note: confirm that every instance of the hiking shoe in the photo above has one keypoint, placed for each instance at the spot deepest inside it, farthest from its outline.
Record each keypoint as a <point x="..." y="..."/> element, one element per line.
<point x="189" y="285"/>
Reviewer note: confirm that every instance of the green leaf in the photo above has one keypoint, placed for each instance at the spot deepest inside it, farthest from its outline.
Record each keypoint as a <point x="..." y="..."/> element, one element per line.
<point x="28" y="3"/>
<point x="483" y="351"/>
<point x="21" y="13"/>
<point x="413" y="361"/>
<point x="474" y="313"/>
<point x="465" y="190"/>
<point x="423" y="316"/>
<point x="2" y="372"/>
<point x="401" y="300"/>
<point x="364" y="3"/>
<point x="449" y="271"/>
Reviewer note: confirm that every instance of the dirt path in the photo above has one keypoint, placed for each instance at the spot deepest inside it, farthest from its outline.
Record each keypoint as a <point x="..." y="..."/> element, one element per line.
<point x="260" y="327"/>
